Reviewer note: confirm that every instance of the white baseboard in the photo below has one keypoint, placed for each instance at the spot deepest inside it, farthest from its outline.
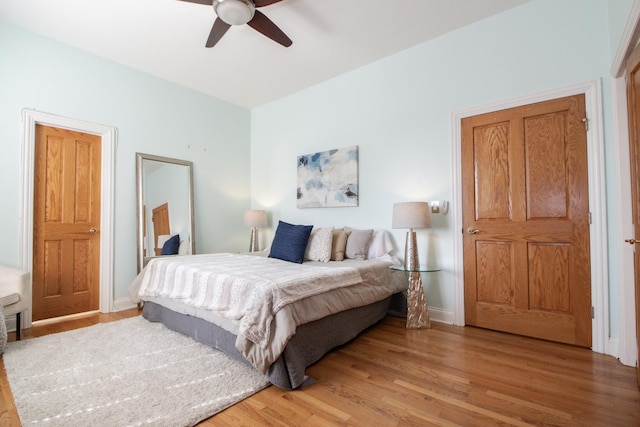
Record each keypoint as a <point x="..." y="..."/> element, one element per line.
<point x="123" y="304"/>
<point x="11" y="323"/>
<point x="441" y="316"/>
<point x="613" y="349"/>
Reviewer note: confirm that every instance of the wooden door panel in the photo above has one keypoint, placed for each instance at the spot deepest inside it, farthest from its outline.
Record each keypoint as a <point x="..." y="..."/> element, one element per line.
<point x="83" y="192"/>
<point x="525" y="202"/>
<point x="545" y="164"/>
<point x="495" y="273"/>
<point x="160" y="218"/>
<point x="491" y="150"/>
<point x="549" y="277"/>
<point x="54" y="167"/>
<point x="66" y="222"/>
<point x="51" y="282"/>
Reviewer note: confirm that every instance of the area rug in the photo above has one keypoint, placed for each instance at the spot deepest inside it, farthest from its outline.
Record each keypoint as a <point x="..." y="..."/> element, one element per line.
<point x="130" y="372"/>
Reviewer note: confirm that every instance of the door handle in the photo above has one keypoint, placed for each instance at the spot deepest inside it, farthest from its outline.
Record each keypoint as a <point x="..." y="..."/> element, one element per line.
<point x="472" y="230"/>
<point x="93" y="230"/>
<point x="632" y="241"/>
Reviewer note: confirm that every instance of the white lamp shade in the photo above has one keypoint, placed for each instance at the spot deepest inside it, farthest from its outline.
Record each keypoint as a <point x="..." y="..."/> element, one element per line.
<point x="255" y="218"/>
<point x="411" y="215"/>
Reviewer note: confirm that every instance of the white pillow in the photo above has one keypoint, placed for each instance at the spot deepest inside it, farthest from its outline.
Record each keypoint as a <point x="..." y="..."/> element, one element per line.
<point x="319" y="245"/>
<point x="185" y="247"/>
<point x="380" y="245"/>
<point x="162" y="239"/>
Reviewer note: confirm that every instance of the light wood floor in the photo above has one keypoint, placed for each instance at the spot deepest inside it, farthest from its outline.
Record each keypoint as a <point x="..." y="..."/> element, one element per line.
<point x="445" y="376"/>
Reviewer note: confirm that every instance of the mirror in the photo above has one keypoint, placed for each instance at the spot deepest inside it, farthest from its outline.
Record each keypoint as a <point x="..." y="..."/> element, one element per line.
<point x="165" y="207"/>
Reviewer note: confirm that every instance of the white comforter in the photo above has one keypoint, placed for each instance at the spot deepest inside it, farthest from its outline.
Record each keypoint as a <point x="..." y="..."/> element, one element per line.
<point x="248" y="294"/>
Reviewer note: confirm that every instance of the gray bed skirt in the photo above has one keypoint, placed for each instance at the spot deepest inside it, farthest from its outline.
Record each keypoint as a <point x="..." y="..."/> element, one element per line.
<point x="311" y="341"/>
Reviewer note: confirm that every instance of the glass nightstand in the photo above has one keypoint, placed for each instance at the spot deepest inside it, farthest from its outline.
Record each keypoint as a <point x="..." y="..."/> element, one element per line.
<point x="417" y="309"/>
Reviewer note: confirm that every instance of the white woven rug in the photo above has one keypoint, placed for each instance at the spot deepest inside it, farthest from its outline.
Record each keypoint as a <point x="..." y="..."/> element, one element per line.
<point x="126" y="373"/>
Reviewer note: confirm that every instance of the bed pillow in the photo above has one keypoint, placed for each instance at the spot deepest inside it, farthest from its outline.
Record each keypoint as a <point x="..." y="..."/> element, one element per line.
<point x="171" y="246"/>
<point x="290" y="242"/>
<point x="380" y="245"/>
<point x="185" y="247"/>
<point x="319" y="245"/>
<point x="338" y="245"/>
<point x="358" y="243"/>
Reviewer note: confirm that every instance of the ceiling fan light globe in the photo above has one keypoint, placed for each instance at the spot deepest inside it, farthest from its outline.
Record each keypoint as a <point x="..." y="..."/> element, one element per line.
<point x="234" y="12"/>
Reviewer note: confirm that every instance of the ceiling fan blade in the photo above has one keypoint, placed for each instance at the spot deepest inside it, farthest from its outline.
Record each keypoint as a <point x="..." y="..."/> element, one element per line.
<point x="263" y="3"/>
<point x="265" y="26"/>
<point x="217" y="31"/>
<point x="207" y="2"/>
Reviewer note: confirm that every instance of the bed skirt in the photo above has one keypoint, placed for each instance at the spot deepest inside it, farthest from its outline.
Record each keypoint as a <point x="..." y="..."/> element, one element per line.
<point x="311" y="341"/>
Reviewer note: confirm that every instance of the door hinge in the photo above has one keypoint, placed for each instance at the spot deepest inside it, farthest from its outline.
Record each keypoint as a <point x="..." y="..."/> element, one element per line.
<point x="590" y="218"/>
<point x="586" y="124"/>
<point x="593" y="313"/>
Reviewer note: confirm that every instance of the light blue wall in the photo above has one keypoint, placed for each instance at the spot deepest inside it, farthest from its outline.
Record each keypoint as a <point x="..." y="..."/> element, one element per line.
<point x="151" y="116"/>
<point x="618" y="12"/>
<point x="398" y="111"/>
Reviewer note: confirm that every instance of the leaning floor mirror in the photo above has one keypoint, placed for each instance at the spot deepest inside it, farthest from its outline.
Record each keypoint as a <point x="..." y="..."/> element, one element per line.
<point x="165" y="207"/>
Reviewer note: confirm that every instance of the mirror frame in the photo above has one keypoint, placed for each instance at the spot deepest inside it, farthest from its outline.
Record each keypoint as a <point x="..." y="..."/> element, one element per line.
<point x="140" y="158"/>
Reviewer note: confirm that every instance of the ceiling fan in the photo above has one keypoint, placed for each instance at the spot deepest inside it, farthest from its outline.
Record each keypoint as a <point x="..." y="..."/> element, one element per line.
<point x="240" y="12"/>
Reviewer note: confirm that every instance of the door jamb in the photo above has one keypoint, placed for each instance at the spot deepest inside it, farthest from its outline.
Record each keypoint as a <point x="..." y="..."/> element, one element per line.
<point x="597" y="203"/>
<point x="627" y="350"/>
<point x="31" y="118"/>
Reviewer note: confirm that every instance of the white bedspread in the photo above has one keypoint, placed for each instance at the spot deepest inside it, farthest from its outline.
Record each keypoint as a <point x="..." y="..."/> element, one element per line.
<point x="245" y="288"/>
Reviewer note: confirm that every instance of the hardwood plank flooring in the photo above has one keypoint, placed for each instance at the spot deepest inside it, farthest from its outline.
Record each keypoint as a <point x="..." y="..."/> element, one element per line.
<point x="443" y="376"/>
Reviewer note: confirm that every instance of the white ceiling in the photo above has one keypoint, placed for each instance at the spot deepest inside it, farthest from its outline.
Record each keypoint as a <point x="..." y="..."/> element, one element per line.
<point x="166" y="38"/>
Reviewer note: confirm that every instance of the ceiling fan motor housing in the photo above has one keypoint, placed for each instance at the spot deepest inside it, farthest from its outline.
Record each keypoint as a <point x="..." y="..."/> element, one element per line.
<point x="234" y="12"/>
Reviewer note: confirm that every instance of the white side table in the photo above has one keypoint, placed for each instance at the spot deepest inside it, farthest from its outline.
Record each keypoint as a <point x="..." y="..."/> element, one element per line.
<point x="417" y="309"/>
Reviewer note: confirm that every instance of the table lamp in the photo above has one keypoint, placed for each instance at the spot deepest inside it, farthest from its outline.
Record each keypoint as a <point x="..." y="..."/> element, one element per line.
<point x="411" y="215"/>
<point x="255" y="219"/>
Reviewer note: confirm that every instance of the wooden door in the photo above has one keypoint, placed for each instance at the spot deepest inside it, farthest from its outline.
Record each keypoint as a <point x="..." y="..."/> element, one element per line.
<point x="526" y="221"/>
<point x="160" y="218"/>
<point x="633" y="102"/>
<point x="66" y="246"/>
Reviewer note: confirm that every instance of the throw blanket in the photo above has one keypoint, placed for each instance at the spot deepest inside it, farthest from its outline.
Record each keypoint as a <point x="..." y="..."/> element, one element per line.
<point x="247" y="288"/>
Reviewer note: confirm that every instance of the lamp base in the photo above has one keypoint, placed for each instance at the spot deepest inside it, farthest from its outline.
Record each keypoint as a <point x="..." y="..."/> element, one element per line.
<point x="411" y="261"/>
<point x="253" y="246"/>
<point x="417" y="309"/>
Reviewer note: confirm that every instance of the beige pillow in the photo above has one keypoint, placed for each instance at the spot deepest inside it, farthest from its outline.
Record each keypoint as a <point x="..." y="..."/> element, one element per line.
<point x="319" y="245"/>
<point x="338" y="245"/>
<point x="358" y="243"/>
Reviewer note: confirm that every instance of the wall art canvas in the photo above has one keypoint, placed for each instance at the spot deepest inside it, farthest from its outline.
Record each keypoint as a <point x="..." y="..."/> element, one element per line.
<point x="328" y="178"/>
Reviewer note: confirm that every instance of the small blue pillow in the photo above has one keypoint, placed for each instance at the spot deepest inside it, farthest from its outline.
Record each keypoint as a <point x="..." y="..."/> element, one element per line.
<point x="290" y="242"/>
<point x="171" y="246"/>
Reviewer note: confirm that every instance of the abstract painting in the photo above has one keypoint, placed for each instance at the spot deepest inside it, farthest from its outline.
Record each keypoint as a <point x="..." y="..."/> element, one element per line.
<point x="328" y="178"/>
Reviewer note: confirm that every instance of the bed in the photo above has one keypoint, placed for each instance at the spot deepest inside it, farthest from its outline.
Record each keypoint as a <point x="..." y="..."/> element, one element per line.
<point x="276" y="315"/>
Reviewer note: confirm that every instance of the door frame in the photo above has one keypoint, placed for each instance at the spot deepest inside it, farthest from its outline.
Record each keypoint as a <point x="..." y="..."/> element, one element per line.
<point x="597" y="202"/>
<point x="31" y="118"/>
<point x="624" y="263"/>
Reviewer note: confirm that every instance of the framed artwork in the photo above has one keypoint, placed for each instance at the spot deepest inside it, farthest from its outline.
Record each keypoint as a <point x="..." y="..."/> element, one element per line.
<point x="328" y="178"/>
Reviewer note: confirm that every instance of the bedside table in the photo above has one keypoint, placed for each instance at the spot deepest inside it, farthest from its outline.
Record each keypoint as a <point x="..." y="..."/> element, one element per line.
<point x="417" y="309"/>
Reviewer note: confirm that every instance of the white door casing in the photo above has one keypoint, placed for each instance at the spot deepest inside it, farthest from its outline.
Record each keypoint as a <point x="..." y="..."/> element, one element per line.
<point x="626" y="350"/>
<point x="597" y="201"/>
<point x="30" y="118"/>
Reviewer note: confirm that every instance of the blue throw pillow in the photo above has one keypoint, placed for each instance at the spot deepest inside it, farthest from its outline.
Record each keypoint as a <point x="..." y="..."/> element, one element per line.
<point x="171" y="246"/>
<point x="290" y="242"/>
